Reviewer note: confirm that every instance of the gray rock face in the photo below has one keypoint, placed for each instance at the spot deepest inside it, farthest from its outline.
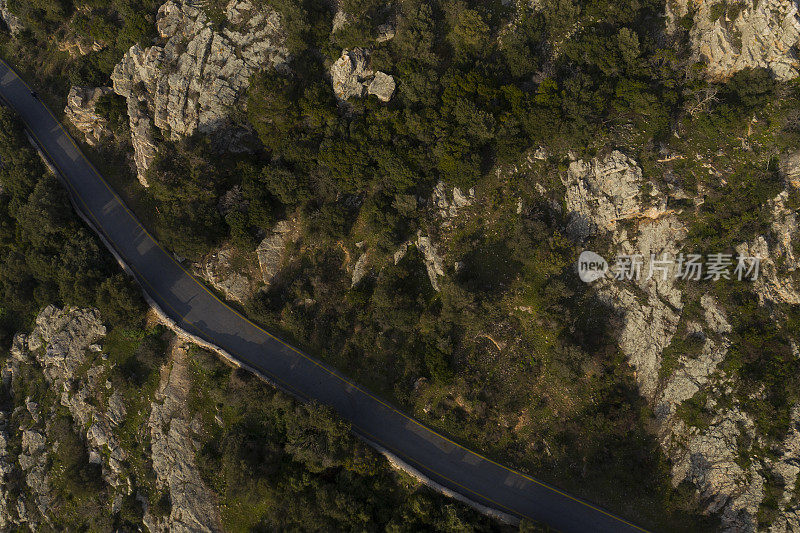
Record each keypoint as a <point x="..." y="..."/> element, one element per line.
<point x="746" y="35"/>
<point x="66" y="346"/>
<point x="218" y="270"/>
<point x="80" y="110"/>
<point x="433" y="262"/>
<point x="33" y="463"/>
<point x="445" y="208"/>
<point x="776" y="284"/>
<point x="448" y="207"/>
<point x="60" y="342"/>
<point x="272" y="249"/>
<point x="600" y="194"/>
<point x="359" y="269"/>
<point x="58" y="345"/>
<point x="708" y="459"/>
<point x="693" y="373"/>
<point x="6" y="469"/>
<point x="351" y="75"/>
<point x="11" y="20"/>
<point x="340" y="19"/>
<point x="382" y="86"/>
<point x="790" y="167"/>
<point x="194" y="507"/>
<point x="197" y="78"/>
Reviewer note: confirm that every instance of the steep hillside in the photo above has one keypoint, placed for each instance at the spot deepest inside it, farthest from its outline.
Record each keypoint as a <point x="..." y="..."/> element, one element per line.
<point x="404" y="189"/>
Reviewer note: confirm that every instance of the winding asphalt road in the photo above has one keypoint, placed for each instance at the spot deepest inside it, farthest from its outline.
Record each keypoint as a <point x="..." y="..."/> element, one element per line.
<point x="199" y="312"/>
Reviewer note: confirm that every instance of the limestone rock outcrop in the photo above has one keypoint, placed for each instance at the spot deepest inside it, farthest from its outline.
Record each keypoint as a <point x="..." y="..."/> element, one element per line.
<point x="272" y="249"/>
<point x="359" y="269"/>
<point x="732" y="36"/>
<point x="173" y="442"/>
<point x="65" y="351"/>
<point x="774" y="284"/>
<point x="602" y="193"/>
<point x="352" y="75"/>
<point x="218" y="269"/>
<point x="444" y="208"/>
<point x="12" y="21"/>
<point x="80" y="46"/>
<point x="448" y="207"/>
<point x="80" y="110"/>
<point x="433" y="262"/>
<point x="198" y="76"/>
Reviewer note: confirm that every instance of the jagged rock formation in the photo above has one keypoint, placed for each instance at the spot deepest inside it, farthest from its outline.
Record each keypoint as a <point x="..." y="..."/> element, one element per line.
<point x="218" y="270"/>
<point x="79" y="46"/>
<point x="731" y="36"/>
<point x="790" y="166"/>
<point x="600" y="194"/>
<point x="10" y="19"/>
<point x="59" y="344"/>
<point x="448" y="208"/>
<point x="198" y="76"/>
<point x="359" y="269"/>
<point x="80" y="110"/>
<point x="173" y="442"/>
<point x="65" y="350"/>
<point x="776" y="284"/>
<point x="433" y="262"/>
<point x="272" y="249"/>
<point x="351" y="75"/>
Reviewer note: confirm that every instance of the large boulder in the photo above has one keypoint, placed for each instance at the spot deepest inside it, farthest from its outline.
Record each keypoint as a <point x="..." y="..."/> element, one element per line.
<point x="80" y="110"/>
<point x="219" y="270"/>
<point x="272" y="249"/>
<point x="351" y="75"/>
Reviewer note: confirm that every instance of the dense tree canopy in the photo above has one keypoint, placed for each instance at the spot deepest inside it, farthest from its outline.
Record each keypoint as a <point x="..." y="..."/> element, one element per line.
<point x="48" y="256"/>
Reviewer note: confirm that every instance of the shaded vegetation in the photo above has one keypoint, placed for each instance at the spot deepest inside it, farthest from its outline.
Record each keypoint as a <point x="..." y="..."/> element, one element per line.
<point x="48" y="255"/>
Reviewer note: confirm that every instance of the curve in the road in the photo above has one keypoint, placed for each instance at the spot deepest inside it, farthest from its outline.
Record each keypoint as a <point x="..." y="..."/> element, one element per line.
<point x="198" y="311"/>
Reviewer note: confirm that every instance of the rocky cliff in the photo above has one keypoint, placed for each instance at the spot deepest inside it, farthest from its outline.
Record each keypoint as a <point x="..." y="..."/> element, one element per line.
<point x="678" y="354"/>
<point x="13" y="22"/>
<point x="195" y="80"/>
<point x="62" y="371"/>
<point x="731" y="36"/>
<point x="81" y="112"/>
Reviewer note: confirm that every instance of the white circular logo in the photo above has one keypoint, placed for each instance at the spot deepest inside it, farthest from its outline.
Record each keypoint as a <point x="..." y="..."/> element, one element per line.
<point x="591" y="266"/>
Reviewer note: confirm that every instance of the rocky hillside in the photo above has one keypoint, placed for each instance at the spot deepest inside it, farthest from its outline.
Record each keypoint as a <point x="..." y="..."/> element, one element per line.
<point x="681" y="346"/>
<point x="135" y="430"/>
<point x="405" y="189"/>
<point x="67" y="422"/>
<point x="195" y="80"/>
<point x="731" y="36"/>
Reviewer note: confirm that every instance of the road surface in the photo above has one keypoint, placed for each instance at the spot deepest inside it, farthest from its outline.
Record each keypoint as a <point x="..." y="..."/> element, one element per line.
<point x="195" y="309"/>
